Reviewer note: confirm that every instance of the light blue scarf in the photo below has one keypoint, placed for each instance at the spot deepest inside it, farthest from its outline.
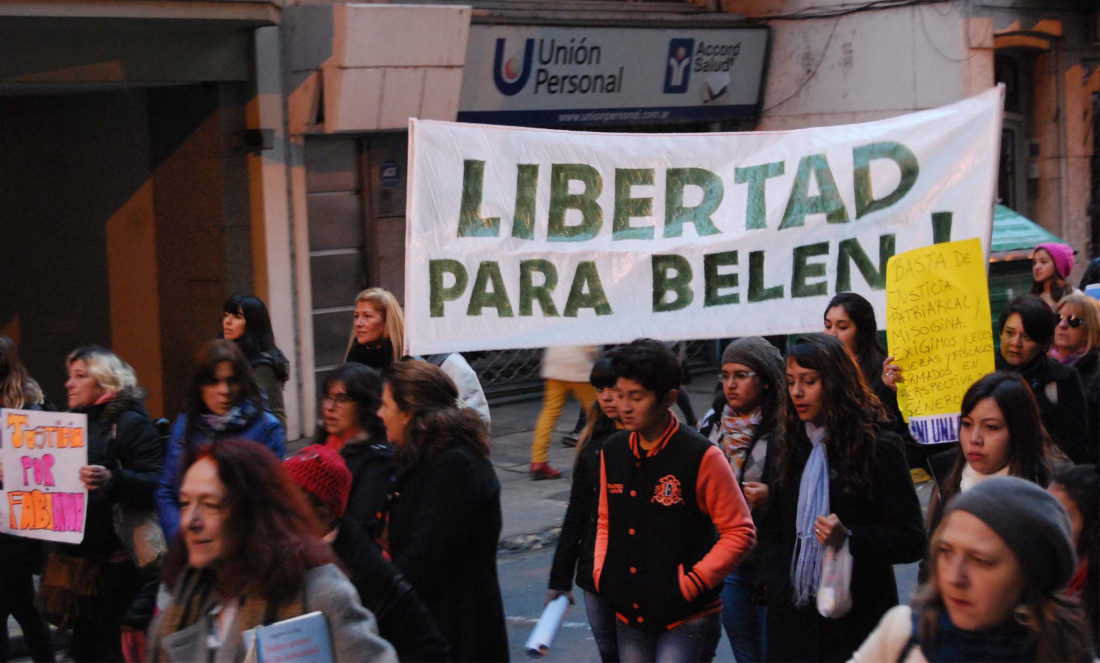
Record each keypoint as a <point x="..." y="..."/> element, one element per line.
<point x="813" y="501"/>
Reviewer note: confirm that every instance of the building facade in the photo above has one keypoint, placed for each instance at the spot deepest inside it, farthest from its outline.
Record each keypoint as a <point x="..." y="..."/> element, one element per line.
<point x="161" y="156"/>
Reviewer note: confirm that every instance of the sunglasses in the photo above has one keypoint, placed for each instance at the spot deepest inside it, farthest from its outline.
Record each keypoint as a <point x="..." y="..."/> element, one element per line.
<point x="1072" y="320"/>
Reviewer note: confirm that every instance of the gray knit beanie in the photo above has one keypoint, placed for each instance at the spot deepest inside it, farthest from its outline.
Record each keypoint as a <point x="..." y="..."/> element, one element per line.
<point x="759" y="355"/>
<point x="1031" y="522"/>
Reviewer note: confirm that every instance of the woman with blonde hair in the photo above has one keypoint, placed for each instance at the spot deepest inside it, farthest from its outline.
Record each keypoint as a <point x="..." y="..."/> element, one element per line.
<point x="378" y="333"/>
<point x="378" y="340"/>
<point x="1077" y="344"/>
<point x="17" y="389"/>
<point x="124" y="460"/>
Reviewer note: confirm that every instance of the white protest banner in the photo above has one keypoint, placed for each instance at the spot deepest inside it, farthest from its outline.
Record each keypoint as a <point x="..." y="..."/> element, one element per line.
<point x="531" y="238"/>
<point x="43" y="497"/>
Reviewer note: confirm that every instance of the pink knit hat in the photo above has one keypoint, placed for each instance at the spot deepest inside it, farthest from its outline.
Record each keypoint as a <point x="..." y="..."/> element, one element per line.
<point x="1062" y="255"/>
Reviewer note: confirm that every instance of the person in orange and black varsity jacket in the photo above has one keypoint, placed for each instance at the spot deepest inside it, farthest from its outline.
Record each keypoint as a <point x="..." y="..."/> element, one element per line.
<point x="664" y="492"/>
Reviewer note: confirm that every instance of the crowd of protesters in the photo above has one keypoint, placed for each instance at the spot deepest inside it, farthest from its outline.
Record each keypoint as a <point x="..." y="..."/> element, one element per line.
<point x="388" y="523"/>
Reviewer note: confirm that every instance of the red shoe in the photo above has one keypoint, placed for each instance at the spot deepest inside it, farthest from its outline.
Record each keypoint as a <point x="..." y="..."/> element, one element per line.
<point x="540" y="471"/>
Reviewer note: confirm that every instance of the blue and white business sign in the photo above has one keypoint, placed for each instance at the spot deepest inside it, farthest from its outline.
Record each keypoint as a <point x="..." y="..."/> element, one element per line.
<point x="678" y="71"/>
<point x="553" y="75"/>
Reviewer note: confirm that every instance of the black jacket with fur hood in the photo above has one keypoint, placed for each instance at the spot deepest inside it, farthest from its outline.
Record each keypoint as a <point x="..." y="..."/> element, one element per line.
<point x="134" y="456"/>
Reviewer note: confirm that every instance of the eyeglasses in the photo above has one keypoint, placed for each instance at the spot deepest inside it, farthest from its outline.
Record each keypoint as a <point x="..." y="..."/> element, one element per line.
<point x="337" y="399"/>
<point x="1072" y="320"/>
<point x="740" y="376"/>
<point x="1012" y="333"/>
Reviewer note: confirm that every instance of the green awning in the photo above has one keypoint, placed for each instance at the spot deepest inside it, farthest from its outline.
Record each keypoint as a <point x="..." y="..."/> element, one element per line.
<point x="1015" y="232"/>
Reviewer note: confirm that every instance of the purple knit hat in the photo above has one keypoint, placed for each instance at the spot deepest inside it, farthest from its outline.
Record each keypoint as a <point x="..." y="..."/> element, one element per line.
<point x="1062" y="255"/>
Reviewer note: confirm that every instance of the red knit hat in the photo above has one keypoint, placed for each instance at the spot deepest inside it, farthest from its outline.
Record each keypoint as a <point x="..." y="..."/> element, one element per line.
<point x="1061" y="254"/>
<point x="323" y="473"/>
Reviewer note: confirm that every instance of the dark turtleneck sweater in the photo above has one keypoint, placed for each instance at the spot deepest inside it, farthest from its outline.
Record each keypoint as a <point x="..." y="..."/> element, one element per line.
<point x="376" y="355"/>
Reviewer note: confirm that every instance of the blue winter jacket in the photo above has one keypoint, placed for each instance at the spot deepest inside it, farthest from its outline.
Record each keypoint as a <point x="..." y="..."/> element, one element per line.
<point x="264" y="428"/>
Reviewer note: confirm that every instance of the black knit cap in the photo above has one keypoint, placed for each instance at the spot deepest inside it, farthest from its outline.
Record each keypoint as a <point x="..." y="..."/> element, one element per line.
<point x="757" y="354"/>
<point x="1031" y="522"/>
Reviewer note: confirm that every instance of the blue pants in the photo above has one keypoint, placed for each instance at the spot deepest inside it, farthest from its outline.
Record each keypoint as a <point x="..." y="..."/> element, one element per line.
<point x="743" y="620"/>
<point x="689" y="642"/>
<point x="601" y="619"/>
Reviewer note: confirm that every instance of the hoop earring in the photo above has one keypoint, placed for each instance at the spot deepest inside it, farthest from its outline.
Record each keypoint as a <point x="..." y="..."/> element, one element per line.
<point x="1022" y="615"/>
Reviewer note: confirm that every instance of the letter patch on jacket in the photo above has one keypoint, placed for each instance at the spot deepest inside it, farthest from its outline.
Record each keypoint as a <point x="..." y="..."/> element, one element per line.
<point x="667" y="491"/>
<point x="615" y="488"/>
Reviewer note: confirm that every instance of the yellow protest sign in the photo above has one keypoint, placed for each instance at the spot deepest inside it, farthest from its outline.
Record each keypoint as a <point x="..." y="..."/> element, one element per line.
<point x="940" y="331"/>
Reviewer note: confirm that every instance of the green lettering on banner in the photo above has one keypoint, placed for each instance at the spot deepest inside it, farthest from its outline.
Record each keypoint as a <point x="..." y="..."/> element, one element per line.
<point x="756" y="212"/>
<point x="529" y="292"/>
<point x="587" y="291"/>
<point x="827" y="202"/>
<point x="805" y="270"/>
<point x="663" y="283"/>
<point x="676" y="215"/>
<point x="527" y="182"/>
<point x="627" y="207"/>
<point x="852" y="251"/>
<point x="758" y="292"/>
<point x="470" y="223"/>
<point x="561" y="201"/>
<point x="941" y="227"/>
<point x="715" y="281"/>
<point x="862" y="157"/>
<point x="488" y="272"/>
<point x="437" y="292"/>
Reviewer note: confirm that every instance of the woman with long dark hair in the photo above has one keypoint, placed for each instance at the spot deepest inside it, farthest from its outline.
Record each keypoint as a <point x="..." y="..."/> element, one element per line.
<point x="838" y="480"/>
<point x="851" y="319"/>
<point x="1000" y="433"/>
<point x="124" y="460"/>
<point x="1027" y="329"/>
<point x="350" y="425"/>
<point x="577" y="543"/>
<point x="223" y="402"/>
<point x="20" y="557"/>
<point x="250" y="554"/>
<point x="744" y="423"/>
<point x="1051" y="264"/>
<point x="245" y="321"/>
<point x="1077" y="489"/>
<point x="999" y="561"/>
<point x="445" y="518"/>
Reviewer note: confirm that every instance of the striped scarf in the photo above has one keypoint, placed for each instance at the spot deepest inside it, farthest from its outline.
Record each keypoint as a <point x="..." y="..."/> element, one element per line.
<point x="736" y="438"/>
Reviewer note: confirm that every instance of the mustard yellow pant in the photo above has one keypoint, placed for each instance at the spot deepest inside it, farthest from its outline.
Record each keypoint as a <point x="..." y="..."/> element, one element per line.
<point x="553" y="399"/>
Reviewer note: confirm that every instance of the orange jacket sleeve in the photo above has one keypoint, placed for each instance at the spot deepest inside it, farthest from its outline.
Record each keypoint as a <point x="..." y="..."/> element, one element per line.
<point x="601" y="527"/>
<point x="719" y="497"/>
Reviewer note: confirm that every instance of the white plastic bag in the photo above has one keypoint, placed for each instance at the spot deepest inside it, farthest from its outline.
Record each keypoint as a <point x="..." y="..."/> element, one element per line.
<point x="834" y="592"/>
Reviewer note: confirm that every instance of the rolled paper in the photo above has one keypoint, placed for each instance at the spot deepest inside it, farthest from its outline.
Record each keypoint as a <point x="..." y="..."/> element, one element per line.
<point x="542" y="636"/>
